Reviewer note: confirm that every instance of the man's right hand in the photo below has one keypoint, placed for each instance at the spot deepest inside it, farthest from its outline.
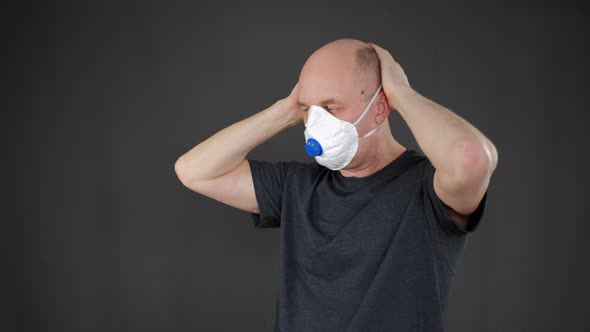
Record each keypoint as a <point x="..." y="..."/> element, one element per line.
<point x="291" y="108"/>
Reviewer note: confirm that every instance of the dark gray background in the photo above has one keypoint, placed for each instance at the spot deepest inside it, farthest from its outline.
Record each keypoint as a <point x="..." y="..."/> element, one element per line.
<point x="101" y="99"/>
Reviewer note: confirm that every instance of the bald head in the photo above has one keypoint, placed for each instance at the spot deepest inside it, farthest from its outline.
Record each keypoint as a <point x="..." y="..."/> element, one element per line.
<point x="349" y="64"/>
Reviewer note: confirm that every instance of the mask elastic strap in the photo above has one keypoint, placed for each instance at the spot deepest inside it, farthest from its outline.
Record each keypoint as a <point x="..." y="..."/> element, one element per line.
<point x="372" y="131"/>
<point x="369" y="105"/>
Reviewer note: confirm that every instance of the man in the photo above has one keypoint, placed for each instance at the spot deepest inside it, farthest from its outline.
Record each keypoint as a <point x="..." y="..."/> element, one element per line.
<point x="370" y="231"/>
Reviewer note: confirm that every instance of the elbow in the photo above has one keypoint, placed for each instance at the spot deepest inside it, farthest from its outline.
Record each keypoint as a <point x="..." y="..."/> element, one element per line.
<point x="493" y="155"/>
<point x="475" y="160"/>
<point x="179" y="169"/>
<point x="186" y="176"/>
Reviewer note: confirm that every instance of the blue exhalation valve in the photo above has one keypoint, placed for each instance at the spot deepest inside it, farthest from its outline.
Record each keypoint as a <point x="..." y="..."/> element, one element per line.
<point x="313" y="148"/>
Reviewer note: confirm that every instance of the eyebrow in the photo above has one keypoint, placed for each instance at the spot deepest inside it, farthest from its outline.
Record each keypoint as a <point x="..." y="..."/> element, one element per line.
<point x="323" y="102"/>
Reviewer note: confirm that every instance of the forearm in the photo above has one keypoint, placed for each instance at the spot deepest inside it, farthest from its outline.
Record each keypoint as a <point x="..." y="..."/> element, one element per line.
<point x="449" y="142"/>
<point x="226" y="149"/>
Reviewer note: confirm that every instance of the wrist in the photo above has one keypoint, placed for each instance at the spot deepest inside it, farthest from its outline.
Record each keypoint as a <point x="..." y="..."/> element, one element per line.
<point x="402" y="97"/>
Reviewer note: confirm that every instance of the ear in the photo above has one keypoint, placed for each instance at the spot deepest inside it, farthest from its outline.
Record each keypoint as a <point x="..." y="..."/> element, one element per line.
<point x="382" y="108"/>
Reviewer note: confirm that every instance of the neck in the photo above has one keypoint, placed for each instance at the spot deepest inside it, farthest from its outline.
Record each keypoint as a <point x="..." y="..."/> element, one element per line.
<point x="386" y="150"/>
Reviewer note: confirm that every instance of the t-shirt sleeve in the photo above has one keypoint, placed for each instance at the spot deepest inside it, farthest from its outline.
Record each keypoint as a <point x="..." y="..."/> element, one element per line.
<point x="436" y="209"/>
<point x="269" y="183"/>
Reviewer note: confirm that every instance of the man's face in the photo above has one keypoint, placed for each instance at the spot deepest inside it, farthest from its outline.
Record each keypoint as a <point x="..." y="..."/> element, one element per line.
<point x="330" y="79"/>
<point x="344" y="102"/>
<point x="341" y="98"/>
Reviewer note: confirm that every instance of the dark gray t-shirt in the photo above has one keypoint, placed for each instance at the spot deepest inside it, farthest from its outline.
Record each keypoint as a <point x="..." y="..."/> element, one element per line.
<point x="360" y="254"/>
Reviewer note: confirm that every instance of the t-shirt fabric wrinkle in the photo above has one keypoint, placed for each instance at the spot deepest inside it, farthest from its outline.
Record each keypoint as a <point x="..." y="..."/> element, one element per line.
<point x="376" y="253"/>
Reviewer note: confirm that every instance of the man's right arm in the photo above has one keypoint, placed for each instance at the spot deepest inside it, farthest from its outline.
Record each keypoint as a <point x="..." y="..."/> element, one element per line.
<point x="217" y="167"/>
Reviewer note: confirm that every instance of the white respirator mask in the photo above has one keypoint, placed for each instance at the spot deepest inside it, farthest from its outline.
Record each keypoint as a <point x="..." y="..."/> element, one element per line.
<point x="331" y="141"/>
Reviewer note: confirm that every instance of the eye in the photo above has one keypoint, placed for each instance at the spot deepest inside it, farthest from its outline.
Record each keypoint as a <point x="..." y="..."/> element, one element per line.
<point x="326" y="108"/>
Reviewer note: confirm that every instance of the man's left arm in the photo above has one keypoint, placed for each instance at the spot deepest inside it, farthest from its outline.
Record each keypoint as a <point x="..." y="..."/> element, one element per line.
<point x="463" y="157"/>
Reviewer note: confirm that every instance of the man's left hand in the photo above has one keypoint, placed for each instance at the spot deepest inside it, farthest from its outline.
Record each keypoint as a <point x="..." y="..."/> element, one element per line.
<point x="393" y="78"/>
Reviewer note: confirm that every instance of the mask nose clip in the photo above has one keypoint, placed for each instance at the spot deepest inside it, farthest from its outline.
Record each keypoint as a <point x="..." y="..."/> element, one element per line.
<point x="313" y="148"/>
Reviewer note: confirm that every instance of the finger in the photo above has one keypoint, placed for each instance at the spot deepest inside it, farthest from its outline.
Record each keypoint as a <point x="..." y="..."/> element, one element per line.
<point x="295" y="88"/>
<point x="382" y="53"/>
<point x="376" y="47"/>
<point x="377" y="50"/>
